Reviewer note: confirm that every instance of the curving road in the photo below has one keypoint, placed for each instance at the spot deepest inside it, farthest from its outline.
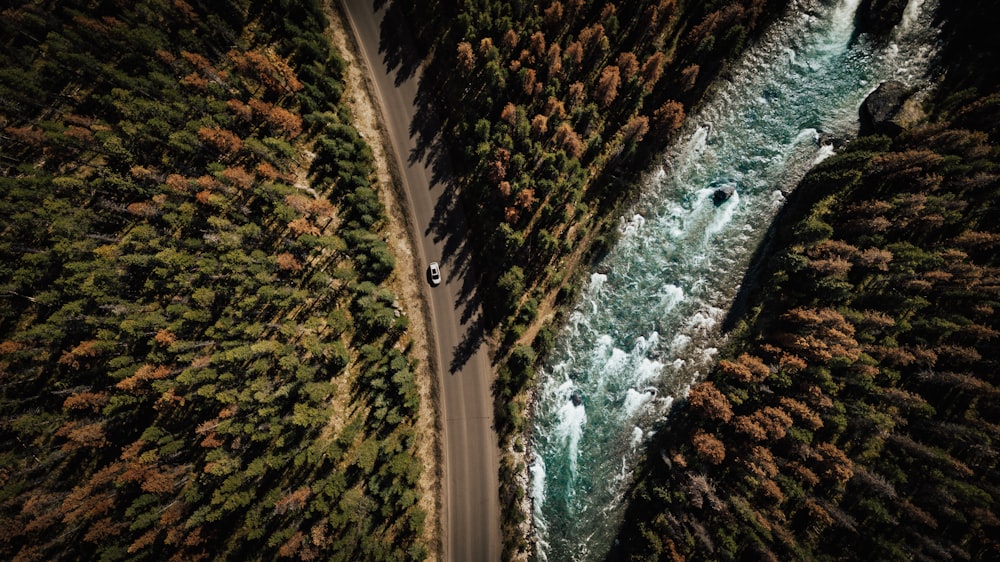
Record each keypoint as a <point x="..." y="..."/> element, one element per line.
<point x="471" y="504"/>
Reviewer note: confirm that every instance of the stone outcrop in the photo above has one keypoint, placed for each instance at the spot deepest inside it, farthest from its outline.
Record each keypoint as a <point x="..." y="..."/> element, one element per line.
<point x="889" y="110"/>
<point x="878" y="17"/>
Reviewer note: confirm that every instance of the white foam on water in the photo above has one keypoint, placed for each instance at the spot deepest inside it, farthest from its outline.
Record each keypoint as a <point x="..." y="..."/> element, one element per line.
<point x="647" y="372"/>
<point x="824" y="152"/>
<point x="537" y="470"/>
<point x="695" y="147"/>
<point x="597" y="281"/>
<point x="637" y="435"/>
<point x="842" y="22"/>
<point x="679" y="343"/>
<point x="808" y="135"/>
<point x="569" y="431"/>
<point x="721" y="219"/>
<point x="910" y="15"/>
<point x="670" y="296"/>
<point x="615" y="366"/>
<point x="631" y="227"/>
<point x="634" y="401"/>
<point x="702" y="322"/>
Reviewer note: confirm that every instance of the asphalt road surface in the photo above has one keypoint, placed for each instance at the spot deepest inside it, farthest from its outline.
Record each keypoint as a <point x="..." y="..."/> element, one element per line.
<point x="471" y="504"/>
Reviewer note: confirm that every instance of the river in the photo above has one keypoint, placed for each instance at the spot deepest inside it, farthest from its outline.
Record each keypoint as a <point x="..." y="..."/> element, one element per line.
<point x="642" y="333"/>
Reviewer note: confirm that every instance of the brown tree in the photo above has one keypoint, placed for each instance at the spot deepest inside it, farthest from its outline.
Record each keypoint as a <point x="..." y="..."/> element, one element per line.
<point x="576" y="94"/>
<point x="466" y="57"/>
<point x="222" y="140"/>
<point x="537" y="43"/>
<point x="607" y="86"/>
<point x="709" y="402"/>
<point x="554" y="107"/>
<point x="529" y="81"/>
<point x="636" y="128"/>
<point x="569" y="140"/>
<point x="709" y="447"/>
<point x="285" y="121"/>
<point x="238" y="176"/>
<point x="746" y="368"/>
<point x="688" y="77"/>
<point x="539" y="125"/>
<point x="652" y="69"/>
<point x="553" y="15"/>
<point x="288" y="262"/>
<point x="554" y="58"/>
<point x="509" y="113"/>
<point x="669" y="117"/>
<point x="574" y="52"/>
<point x="628" y="64"/>
<point x="510" y="39"/>
<point x="92" y="401"/>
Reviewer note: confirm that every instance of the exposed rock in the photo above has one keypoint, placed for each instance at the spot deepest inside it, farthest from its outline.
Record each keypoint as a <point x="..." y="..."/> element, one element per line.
<point x="576" y="399"/>
<point x="722" y="194"/>
<point x="878" y="17"/>
<point x="829" y="139"/>
<point x="889" y="110"/>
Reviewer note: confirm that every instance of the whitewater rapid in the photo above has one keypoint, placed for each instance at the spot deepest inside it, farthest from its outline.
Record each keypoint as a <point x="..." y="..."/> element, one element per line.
<point x="646" y="330"/>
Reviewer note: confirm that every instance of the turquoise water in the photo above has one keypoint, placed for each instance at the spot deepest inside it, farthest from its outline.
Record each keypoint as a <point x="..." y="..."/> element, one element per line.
<point x="642" y="333"/>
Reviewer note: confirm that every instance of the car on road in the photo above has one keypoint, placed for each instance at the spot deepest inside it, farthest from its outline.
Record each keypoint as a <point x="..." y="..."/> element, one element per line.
<point x="434" y="272"/>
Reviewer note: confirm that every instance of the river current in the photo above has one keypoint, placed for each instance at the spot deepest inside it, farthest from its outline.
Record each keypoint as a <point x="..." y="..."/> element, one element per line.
<point x="646" y="330"/>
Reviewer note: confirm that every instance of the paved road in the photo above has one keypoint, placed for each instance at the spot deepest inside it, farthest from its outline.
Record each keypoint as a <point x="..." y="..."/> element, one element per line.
<point x="471" y="504"/>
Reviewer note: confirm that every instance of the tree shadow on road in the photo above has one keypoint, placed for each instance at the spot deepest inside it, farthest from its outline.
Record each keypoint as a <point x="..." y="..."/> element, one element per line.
<point x="404" y="62"/>
<point x="403" y="43"/>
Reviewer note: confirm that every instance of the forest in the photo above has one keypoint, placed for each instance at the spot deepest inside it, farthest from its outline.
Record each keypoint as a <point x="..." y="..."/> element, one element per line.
<point x="201" y="353"/>
<point x="857" y="408"/>
<point x="203" y="357"/>
<point x="855" y="411"/>
<point x="551" y="110"/>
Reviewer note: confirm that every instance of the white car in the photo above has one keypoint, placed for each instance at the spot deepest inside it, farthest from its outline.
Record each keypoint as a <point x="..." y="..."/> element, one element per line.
<point x="434" y="270"/>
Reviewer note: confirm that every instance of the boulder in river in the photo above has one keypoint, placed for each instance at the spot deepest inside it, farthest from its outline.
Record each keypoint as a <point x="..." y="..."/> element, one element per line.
<point x="878" y="17"/>
<point x="722" y="194"/>
<point x="830" y="139"/>
<point x="889" y="110"/>
<point x="576" y="399"/>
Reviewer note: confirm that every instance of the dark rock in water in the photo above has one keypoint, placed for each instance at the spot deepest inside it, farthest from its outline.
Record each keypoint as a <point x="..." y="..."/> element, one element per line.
<point x="576" y="399"/>
<point x="829" y="139"/>
<point x="879" y="17"/>
<point x="722" y="194"/>
<point x="889" y="110"/>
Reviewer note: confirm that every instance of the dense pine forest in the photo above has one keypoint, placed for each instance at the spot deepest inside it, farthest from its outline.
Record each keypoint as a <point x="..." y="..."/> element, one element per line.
<point x="201" y="356"/>
<point x="856" y="413"/>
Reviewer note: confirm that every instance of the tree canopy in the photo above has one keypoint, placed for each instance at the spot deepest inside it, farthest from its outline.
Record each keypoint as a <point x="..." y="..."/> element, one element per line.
<point x="200" y="353"/>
